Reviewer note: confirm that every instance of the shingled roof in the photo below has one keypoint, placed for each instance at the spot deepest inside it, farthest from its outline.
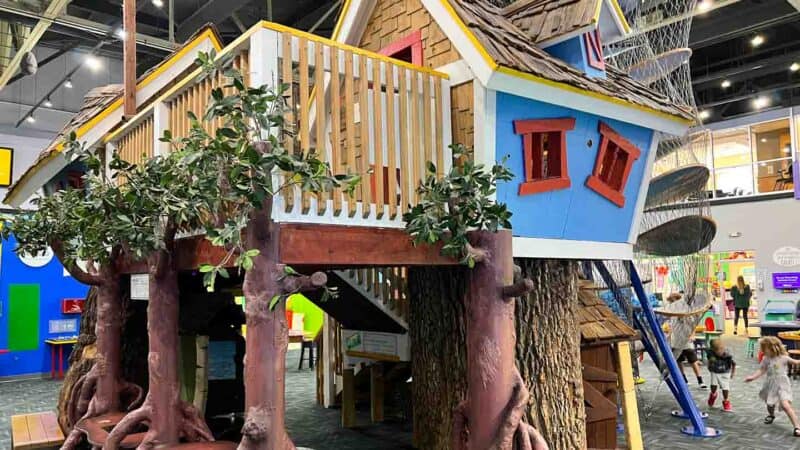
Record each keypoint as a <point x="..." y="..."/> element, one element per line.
<point x="596" y="320"/>
<point x="546" y="20"/>
<point x="510" y="47"/>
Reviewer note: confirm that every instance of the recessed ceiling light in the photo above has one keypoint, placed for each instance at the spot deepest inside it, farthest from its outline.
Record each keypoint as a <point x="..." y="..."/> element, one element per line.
<point x="68" y="84"/>
<point x="93" y="63"/>
<point x="158" y="3"/>
<point x="763" y="139"/>
<point x="30" y="119"/>
<point x="757" y="40"/>
<point x="726" y="84"/>
<point x="120" y="33"/>
<point x="760" y="102"/>
<point x="794" y="67"/>
<point x="704" y="5"/>
<point x="47" y="103"/>
<point x="704" y="114"/>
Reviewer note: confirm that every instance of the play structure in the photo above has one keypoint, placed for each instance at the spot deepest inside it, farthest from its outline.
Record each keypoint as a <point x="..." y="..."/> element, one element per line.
<point x="385" y="98"/>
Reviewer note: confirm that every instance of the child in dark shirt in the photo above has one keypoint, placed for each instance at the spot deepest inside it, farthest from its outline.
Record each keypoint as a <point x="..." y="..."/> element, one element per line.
<point x="722" y="367"/>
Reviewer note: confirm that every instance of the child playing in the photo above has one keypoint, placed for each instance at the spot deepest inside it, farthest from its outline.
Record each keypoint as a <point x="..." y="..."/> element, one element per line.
<point x="722" y="367"/>
<point x="689" y="355"/>
<point x="777" y="388"/>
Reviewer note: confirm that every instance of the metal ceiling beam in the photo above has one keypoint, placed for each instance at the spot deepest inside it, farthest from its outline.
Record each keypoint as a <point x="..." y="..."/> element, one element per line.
<point x="759" y="92"/>
<point x="55" y="8"/>
<point x="87" y="26"/>
<point x="755" y="69"/>
<point x="212" y="11"/>
<point x="713" y="36"/>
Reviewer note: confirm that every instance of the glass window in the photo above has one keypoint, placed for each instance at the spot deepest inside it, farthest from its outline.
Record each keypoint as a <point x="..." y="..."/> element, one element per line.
<point x="772" y="140"/>
<point x="734" y="181"/>
<point x="774" y="176"/>
<point x="731" y="148"/>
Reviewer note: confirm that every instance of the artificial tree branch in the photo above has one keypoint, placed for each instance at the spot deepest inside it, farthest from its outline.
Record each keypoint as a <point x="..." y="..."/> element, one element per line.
<point x="518" y="289"/>
<point x="73" y="269"/>
<point x="303" y="283"/>
<point x="477" y="254"/>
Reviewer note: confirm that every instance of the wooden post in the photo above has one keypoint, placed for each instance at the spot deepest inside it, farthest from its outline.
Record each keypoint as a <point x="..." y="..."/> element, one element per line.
<point x="630" y="410"/>
<point x="129" y="57"/>
<point x="376" y="390"/>
<point x="348" y="398"/>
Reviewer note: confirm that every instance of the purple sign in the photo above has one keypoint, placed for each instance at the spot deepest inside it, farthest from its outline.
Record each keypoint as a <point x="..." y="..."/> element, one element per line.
<point x="787" y="280"/>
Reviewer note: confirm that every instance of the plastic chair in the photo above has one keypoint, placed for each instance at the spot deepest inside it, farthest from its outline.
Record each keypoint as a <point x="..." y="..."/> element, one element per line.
<point x="751" y="345"/>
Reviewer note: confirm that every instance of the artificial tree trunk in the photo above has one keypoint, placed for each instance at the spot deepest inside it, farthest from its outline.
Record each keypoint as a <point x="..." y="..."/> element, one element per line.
<point x="548" y="352"/>
<point x="438" y="351"/>
<point x="490" y="416"/>
<point x="267" y="335"/>
<point x="169" y="419"/>
<point x="81" y="359"/>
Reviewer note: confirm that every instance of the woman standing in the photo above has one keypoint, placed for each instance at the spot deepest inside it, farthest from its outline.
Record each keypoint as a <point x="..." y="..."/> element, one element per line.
<point x="741" y="294"/>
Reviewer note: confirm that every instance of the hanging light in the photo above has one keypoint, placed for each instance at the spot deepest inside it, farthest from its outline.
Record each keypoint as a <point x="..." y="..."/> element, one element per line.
<point x="30" y="118"/>
<point x="757" y="40"/>
<point x="704" y="5"/>
<point x="704" y="114"/>
<point x="68" y="83"/>
<point x="794" y="67"/>
<point x="760" y="102"/>
<point x="158" y="3"/>
<point x="93" y="63"/>
<point x="120" y="33"/>
<point x="725" y="84"/>
<point x="47" y="103"/>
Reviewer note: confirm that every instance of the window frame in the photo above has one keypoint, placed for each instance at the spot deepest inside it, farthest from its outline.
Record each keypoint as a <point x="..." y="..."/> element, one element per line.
<point x="412" y="41"/>
<point x="594" y="182"/>
<point x="594" y="50"/>
<point x="527" y="128"/>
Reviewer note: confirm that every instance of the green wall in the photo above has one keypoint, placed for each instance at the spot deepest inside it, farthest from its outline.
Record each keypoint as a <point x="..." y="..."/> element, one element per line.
<point x="23" y="313"/>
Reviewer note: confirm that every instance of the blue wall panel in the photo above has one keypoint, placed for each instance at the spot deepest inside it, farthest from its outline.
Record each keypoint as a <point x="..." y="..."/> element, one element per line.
<point x="573" y="52"/>
<point x="576" y="213"/>
<point x="54" y="286"/>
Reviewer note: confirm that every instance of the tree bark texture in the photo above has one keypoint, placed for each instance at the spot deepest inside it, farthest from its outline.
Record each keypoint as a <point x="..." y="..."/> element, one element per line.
<point x="267" y="340"/>
<point x="548" y="352"/>
<point x="168" y="418"/>
<point x="437" y="332"/>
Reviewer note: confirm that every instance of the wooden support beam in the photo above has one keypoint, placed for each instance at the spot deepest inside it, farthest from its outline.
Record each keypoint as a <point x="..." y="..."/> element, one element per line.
<point x="630" y="409"/>
<point x="342" y="246"/>
<point x="376" y="392"/>
<point x="129" y="58"/>
<point x="348" y="398"/>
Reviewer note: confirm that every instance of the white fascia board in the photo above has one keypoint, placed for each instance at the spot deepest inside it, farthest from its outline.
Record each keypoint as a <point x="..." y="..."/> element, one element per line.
<point x="532" y="89"/>
<point x="568" y="249"/>
<point x="354" y="21"/>
<point x="458" y="72"/>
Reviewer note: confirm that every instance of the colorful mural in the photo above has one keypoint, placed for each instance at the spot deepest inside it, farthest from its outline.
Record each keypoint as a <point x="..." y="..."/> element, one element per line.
<point x="32" y="290"/>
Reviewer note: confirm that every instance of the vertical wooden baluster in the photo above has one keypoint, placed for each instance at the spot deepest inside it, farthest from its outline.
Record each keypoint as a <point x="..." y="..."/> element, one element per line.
<point x="363" y="114"/>
<point x="350" y="123"/>
<point x="416" y="151"/>
<point x="336" y="111"/>
<point x="437" y="94"/>
<point x="290" y="131"/>
<point x="319" y="94"/>
<point x="391" y="145"/>
<point x="427" y="121"/>
<point x="378" y="131"/>
<point x="305" y="139"/>
<point x="406" y="185"/>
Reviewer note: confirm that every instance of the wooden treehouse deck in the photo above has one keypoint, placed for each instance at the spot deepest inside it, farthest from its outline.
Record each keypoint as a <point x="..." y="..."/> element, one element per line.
<point x="359" y="111"/>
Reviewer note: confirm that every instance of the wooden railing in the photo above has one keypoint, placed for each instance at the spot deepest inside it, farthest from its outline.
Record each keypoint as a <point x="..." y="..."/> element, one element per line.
<point x="387" y="284"/>
<point x="360" y="112"/>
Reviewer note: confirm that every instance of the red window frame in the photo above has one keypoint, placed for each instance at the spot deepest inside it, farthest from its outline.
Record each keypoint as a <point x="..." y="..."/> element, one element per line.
<point x="533" y="132"/>
<point x="613" y="165"/>
<point x="594" y="50"/>
<point x="411" y="43"/>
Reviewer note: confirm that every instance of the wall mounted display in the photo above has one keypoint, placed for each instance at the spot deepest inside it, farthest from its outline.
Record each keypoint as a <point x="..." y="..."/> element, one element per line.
<point x="6" y="166"/>
<point x="72" y="305"/>
<point x="786" y="280"/>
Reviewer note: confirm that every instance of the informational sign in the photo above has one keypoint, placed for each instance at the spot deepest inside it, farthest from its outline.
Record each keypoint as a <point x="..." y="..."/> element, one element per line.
<point x="786" y="280"/>
<point x="38" y="260"/>
<point x="72" y="305"/>
<point x="376" y="346"/>
<point x="62" y="326"/>
<point x="787" y="256"/>
<point x="140" y="286"/>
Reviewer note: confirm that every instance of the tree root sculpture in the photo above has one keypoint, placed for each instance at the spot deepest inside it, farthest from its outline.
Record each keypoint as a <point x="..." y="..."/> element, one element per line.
<point x="513" y="432"/>
<point x="192" y="426"/>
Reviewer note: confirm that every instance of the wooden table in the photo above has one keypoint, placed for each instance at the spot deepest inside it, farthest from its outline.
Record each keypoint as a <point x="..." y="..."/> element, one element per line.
<point x="791" y="337"/>
<point x="58" y="343"/>
<point x="296" y="336"/>
<point x="37" y="430"/>
<point x="773" y="328"/>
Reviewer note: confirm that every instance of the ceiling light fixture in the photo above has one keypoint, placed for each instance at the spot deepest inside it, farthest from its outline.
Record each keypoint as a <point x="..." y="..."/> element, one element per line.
<point x="760" y="102"/>
<point x="68" y="84"/>
<point x="158" y="3"/>
<point x="757" y="40"/>
<point x="763" y="139"/>
<point x="47" y="103"/>
<point x="30" y="119"/>
<point x="704" y="5"/>
<point x="794" y="67"/>
<point x="120" y="33"/>
<point x="93" y="62"/>
<point x="725" y="84"/>
<point x="704" y="114"/>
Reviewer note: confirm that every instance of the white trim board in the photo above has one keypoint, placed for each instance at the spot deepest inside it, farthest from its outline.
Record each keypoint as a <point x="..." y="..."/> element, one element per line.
<point x="549" y="94"/>
<point x="458" y="71"/>
<point x="568" y="249"/>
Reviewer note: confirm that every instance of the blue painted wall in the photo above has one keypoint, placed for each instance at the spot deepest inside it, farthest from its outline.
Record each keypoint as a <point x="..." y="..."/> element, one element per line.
<point x="573" y="52"/>
<point x="576" y="213"/>
<point x="53" y="287"/>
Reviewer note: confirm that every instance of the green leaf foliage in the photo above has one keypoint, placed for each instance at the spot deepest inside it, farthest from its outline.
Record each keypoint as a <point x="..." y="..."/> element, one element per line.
<point x="457" y="203"/>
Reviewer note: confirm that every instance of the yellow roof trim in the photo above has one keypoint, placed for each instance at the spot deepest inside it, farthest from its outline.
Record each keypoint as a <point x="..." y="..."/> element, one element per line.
<point x="620" y="15"/>
<point x="340" y="21"/>
<point x="83" y="129"/>
<point x="356" y="50"/>
<point x="567" y="87"/>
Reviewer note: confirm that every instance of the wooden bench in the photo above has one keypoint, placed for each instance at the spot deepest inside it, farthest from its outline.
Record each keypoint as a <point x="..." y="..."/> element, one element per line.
<point x="36" y="430"/>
